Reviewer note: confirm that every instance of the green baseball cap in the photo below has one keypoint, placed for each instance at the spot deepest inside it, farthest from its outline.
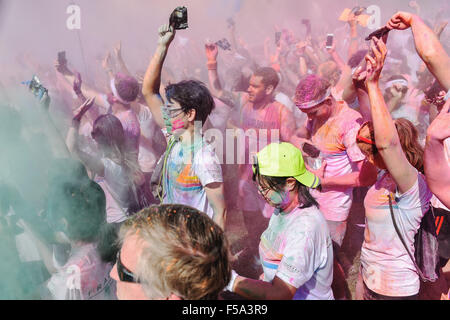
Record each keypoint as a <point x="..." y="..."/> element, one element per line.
<point x="285" y="160"/>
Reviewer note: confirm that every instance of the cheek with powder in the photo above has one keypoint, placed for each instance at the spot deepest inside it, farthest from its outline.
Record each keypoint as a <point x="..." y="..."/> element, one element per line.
<point x="278" y="199"/>
<point x="178" y="124"/>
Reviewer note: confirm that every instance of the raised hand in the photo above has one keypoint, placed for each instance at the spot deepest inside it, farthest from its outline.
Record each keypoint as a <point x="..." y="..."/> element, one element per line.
<point x="439" y="129"/>
<point x="79" y="113"/>
<point x="359" y="78"/>
<point x="400" y="21"/>
<point x="118" y="50"/>
<point x="106" y="63"/>
<point x="438" y="28"/>
<point x="300" y="48"/>
<point x="62" y="67"/>
<point x="166" y="35"/>
<point x="211" y="51"/>
<point x="375" y="64"/>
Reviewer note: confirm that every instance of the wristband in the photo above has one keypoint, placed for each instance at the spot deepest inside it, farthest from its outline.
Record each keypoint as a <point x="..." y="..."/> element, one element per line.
<point x="212" y="65"/>
<point x="230" y="285"/>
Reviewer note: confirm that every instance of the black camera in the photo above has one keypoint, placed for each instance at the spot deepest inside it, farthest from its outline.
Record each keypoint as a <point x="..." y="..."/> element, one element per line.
<point x="179" y="18"/>
<point x="311" y="150"/>
<point x="224" y="44"/>
<point x="62" y="60"/>
<point x="358" y="10"/>
<point x="379" y="33"/>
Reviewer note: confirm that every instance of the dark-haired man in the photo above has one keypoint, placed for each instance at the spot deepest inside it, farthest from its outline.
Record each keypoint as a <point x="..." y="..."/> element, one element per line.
<point x="191" y="172"/>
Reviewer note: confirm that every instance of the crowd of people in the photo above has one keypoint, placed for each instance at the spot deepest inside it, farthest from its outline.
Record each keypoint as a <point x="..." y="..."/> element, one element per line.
<point x="157" y="169"/>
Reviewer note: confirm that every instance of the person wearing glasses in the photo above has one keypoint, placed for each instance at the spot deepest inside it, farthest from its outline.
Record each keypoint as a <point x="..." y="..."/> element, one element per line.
<point x="191" y="173"/>
<point x="387" y="271"/>
<point x="296" y="250"/>
<point x="171" y="252"/>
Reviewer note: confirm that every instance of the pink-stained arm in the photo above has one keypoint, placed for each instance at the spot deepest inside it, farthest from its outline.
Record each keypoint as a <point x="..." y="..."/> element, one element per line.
<point x="437" y="169"/>
<point x="427" y="45"/>
<point x="386" y="136"/>
<point x="365" y="176"/>
<point x="262" y="290"/>
<point x="215" y="194"/>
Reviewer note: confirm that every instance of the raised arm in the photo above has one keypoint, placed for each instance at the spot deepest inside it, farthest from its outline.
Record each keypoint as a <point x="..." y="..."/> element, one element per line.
<point x="437" y="167"/>
<point x="56" y="137"/>
<point x="353" y="47"/>
<point x="64" y="74"/>
<point x="386" y="136"/>
<point x="427" y="45"/>
<point x="152" y="78"/>
<point x="119" y="59"/>
<point x="217" y="91"/>
<point x="359" y="84"/>
<point x="72" y="141"/>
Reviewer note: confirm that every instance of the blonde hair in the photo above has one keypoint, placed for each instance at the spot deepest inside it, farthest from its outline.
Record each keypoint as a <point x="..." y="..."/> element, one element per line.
<point x="184" y="252"/>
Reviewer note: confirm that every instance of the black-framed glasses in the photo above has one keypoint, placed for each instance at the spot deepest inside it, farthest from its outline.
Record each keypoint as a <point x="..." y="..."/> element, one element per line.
<point x="172" y="112"/>
<point x="125" y="275"/>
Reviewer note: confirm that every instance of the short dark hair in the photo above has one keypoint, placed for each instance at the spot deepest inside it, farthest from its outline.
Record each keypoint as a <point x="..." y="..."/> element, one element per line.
<point x="127" y="86"/>
<point x="311" y="88"/>
<point x="269" y="76"/>
<point x="192" y="94"/>
<point x="277" y="184"/>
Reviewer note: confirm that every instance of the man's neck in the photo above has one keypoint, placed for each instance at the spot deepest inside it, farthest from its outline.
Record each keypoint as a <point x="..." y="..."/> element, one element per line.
<point x="118" y="107"/>
<point x="262" y="103"/>
<point x="189" y="136"/>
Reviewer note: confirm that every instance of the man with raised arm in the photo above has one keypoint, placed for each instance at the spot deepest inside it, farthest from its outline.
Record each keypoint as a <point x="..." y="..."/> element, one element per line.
<point x="191" y="172"/>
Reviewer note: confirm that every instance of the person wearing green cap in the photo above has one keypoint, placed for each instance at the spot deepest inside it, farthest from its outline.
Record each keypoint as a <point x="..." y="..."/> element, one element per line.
<point x="296" y="250"/>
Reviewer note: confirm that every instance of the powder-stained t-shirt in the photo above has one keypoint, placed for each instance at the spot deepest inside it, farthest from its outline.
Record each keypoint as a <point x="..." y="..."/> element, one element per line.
<point x="297" y="248"/>
<point x="270" y="124"/>
<point x="83" y="277"/>
<point x="188" y="171"/>
<point x="336" y="139"/>
<point x="387" y="268"/>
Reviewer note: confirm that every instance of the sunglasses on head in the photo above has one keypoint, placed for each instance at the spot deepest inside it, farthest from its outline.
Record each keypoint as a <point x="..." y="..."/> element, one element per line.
<point x="125" y="275"/>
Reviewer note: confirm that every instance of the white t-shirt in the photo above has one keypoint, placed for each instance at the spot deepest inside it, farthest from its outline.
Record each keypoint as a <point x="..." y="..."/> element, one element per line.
<point x="336" y="139"/>
<point x="118" y="191"/>
<point x="189" y="170"/>
<point x="83" y="277"/>
<point x="387" y="268"/>
<point x="297" y="248"/>
<point x="147" y="158"/>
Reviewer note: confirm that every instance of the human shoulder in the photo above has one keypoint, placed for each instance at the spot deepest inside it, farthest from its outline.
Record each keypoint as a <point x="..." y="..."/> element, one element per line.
<point x="347" y="119"/>
<point x="306" y="220"/>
